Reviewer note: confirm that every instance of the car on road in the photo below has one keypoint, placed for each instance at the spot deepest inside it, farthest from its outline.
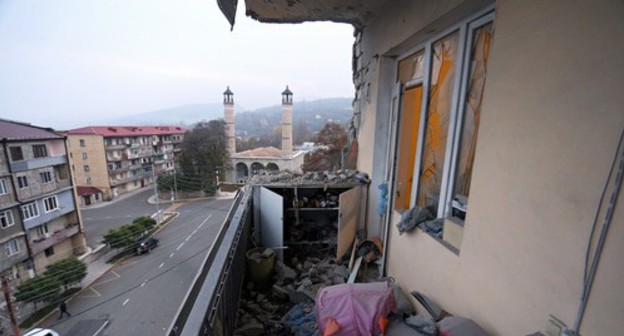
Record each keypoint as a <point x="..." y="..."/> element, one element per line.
<point x="41" y="332"/>
<point x="146" y="245"/>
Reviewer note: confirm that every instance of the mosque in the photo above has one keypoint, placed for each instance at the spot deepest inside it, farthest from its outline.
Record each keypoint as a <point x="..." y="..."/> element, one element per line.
<point x="250" y="162"/>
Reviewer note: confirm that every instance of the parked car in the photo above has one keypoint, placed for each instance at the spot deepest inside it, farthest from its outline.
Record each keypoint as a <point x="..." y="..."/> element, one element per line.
<point x="41" y="332"/>
<point x="146" y="245"/>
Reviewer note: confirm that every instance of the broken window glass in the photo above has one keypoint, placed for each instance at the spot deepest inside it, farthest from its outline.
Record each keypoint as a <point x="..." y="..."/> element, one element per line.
<point x="411" y="68"/>
<point x="444" y="59"/>
<point x="480" y="51"/>
<point x="410" y="118"/>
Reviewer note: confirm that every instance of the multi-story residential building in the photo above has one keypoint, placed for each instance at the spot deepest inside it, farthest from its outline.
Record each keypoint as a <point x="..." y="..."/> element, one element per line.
<point x="39" y="220"/>
<point x="112" y="160"/>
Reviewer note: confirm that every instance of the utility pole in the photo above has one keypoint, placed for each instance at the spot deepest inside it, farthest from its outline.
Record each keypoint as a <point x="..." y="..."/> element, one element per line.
<point x="175" y="184"/>
<point x="156" y="193"/>
<point x="10" y="307"/>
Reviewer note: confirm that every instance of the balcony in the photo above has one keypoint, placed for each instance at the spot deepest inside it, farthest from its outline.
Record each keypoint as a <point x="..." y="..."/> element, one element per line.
<point x="116" y="147"/>
<point x="55" y="238"/>
<point x="48" y="161"/>
<point x="117" y="170"/>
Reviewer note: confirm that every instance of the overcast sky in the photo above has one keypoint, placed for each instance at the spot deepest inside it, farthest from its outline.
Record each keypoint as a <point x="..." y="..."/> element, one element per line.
<point x="71" y="63"/>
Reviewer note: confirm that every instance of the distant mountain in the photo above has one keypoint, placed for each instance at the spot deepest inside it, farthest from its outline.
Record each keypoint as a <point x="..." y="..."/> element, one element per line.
<point x="314" y="114"/>
<point x="179" y="115"/>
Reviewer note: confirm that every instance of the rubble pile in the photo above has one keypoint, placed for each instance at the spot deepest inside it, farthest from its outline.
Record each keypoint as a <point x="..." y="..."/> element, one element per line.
<point x="285" y="305"/>
<point x="336" y="177"/>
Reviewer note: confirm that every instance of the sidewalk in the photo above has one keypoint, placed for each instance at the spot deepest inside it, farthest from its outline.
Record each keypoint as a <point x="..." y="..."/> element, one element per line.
<point x="121" y="197"/>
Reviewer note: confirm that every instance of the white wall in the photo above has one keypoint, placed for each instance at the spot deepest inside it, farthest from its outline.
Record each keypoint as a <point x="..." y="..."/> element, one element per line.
<point x="552" y="113"/>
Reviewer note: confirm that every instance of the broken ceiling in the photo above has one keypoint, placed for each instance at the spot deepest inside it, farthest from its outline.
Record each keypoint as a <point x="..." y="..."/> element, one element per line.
<point x="355" y="12"/>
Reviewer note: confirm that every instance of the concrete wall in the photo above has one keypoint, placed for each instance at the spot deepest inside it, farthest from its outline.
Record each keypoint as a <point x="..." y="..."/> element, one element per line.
<point x="96" y="159"/>
<point x="550" y="121"/>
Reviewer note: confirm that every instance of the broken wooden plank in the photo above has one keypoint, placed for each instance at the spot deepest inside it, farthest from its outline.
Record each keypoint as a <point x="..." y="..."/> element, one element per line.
<point x="355" y="270"/>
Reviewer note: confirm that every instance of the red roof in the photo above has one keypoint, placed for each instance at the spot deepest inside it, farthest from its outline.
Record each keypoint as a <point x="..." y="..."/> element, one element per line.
<point x="86" y="191"/>
<point x="123" y="131"/>
<point x="16" y="131"/>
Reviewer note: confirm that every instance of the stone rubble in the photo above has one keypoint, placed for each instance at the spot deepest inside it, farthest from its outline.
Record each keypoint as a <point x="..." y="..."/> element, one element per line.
<point x="343" y="176"/>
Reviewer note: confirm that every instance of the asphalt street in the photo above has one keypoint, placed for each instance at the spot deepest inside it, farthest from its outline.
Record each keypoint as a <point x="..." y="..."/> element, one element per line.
<point x="97" y="221"/>
<point x="141" y="294"/>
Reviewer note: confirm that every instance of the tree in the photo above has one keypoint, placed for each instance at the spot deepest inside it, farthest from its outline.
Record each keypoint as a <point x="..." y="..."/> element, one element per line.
<point x="301" y="132"/>
<point x="333" y="138"/>
<point x="67" y="271"/>
<point x="123" y="236"/>
<point x="40" y="288"/>
<point x="204" y="152"/>
<point x="146" y="221"/>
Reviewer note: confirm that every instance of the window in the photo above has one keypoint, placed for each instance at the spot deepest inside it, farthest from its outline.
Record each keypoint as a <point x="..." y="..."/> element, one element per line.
<point x="39" y="151"/>
<point x="86" y="168"/>
<point x="49" y="251"/>
<point x="46" y="177"/>
<point x="22" y="181"/>
<point x="441" y="90"/>
<point x="84" y="156"/>
<point x="88" y="180"/>
<point x="50" y="203"/>
<point x="42" y="230"/>
<point x="6" y="219"/>
<point x="3" y="188"/>
<point x="30" y="210"/>
<point x="12" y="247"/>
<point x="16" y="153"/>
<point x="82" y="143"/>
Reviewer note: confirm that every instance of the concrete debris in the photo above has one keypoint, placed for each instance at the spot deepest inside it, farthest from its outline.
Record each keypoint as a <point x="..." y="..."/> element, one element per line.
<point x="345" y="176"/>
<point x="413" y="218"/>
<point x="252" y="328"/>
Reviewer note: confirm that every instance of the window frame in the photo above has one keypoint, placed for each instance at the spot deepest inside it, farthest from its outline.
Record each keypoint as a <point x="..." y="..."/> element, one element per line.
<point x="13" y="153"/>
<point x="8" y="217"/>
<point x="8" y="247"/>
<point x="40" y="151"/>
<point x="465" y="29"/>
<point x="85" y="168"/>
<point x="82" y="142"/>
<point x="84" y="156"/>
<point x="46" y="176"/>
<point x="50" y="201"/>
<point x="22" y="181"/>
<point x="3" y="187"/>
<point x="31" y="209"/>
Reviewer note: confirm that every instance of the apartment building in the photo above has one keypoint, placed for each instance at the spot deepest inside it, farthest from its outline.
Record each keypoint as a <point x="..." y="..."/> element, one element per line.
<point x="39" y="220"/>
<point x="109" y="161"/>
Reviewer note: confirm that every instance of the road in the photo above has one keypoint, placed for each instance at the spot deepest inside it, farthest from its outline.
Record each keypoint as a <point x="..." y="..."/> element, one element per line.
<point x="98" y="220"/>
<point x="141" y="294"/>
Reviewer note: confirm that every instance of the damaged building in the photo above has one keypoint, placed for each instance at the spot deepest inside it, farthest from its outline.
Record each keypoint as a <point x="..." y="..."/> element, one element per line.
<point x="491" y="133"/>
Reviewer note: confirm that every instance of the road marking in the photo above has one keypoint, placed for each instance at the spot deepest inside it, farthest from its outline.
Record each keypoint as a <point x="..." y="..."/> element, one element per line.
<point x="194" y="232"/>
<point x="123" y="304"/>
<point x="161" y="265"/>
<point x="116" y="276"/>
<point x="97" y="294"/>
<point x="179" y="246"/>
<point x="171" y="255"/>
<point x="204" y="222"/>
<point x="144" y="282"/>
<point x="101" y="328"/>
<point x="187" y="238"/>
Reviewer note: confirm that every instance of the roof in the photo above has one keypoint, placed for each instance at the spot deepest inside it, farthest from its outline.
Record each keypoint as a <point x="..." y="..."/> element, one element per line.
<point x="261" y="152"/>
<point x="16" y="131"/>
<point x="287" y="91"/>
<point x="86" y="191"/>
<point x="228" y="92"/>
<point x="355" y="12"/>
<point x="122" y="131"/>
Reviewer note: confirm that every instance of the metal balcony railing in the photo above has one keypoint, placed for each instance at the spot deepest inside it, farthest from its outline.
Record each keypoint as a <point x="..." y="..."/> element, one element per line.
<point x="211" y="303"/>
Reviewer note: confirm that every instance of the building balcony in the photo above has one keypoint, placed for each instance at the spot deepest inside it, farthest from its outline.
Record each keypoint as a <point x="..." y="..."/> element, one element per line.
<point x="54" y="238"/>
<point x="117" y="170"/>
<point x="48" y="161"/>
<point x="115" y="147"/>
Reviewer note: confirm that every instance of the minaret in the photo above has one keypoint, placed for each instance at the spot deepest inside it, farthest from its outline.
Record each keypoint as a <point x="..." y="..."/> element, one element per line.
<point x="287" y="123"/>
<point x="228" y="111"/>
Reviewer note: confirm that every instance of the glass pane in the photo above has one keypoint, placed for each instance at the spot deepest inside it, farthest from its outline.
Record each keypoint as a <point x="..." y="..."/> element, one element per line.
<point x="478" y="69"/>
<point x="410" y="118"/>
<point x="411" y="68"/>
<point x="443" y="70"/>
